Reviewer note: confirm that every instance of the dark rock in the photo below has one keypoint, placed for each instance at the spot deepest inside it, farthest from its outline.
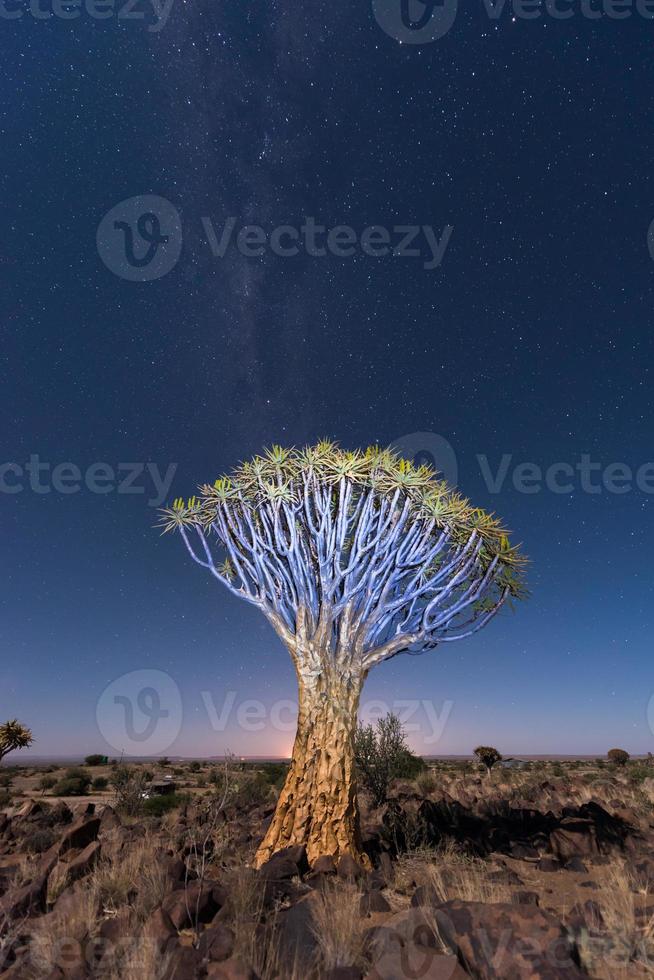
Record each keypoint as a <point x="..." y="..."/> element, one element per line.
<point x="233" y="969"/>
<point x="425" y="895"/>
<point x="184" y="963"/>
<point x="585" y="917"/>
<point x="109" y="820"/>
<point x="297" y="939"/>
<point x="84" y="862"/>
<point x="216" y="942"/>
<point x="80" y="834"/>
<point x="416" y="961"/>
<point x="160" y="930"/>
<point x="548" y="863"/>
<point x="523" y="852"/>
<point x="343" y="973"/>
<point x="115" y="927"/>
<point x="525" y="898"/>
<point x="511" y="942"/>
<point x="71" y="906"/>
<point x="325" y="865"/>
<point x="576" y="864"/>
<point x="199" y="899"/>
<point x="30" y="899"/>
<point x="373" y="901"/>
<point x="349" y="869"/>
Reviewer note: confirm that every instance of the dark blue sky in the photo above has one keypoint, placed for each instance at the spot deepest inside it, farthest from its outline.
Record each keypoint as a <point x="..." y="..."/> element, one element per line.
<point x="533" y="139"/>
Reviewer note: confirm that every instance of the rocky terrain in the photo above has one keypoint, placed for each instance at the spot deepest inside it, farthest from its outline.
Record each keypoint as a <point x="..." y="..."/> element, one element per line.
<point x="545" y="874"/>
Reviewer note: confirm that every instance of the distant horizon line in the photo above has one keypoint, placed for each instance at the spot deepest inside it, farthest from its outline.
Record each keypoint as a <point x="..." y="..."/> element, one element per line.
<point x="528" y="757"/>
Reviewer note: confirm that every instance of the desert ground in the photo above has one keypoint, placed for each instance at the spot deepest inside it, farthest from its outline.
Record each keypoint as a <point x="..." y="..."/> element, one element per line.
<point x="543" y="872"/>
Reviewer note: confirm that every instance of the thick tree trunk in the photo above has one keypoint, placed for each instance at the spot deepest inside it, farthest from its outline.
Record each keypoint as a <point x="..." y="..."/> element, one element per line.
<point x="318" y="805"/>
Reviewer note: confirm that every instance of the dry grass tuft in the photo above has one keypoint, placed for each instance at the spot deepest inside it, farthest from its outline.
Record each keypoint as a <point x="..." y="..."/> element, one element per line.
<point x="135" y="879"/>
<point x="451" y="873"/>
<point x="337" y="925"/>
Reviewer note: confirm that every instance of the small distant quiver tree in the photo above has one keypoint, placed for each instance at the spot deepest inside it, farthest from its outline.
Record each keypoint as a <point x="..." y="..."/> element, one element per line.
<point x="619" y="757"/>
<point x="354" y="558"/>
<point x="13" y="735"/>
<point x="488" y="756"/>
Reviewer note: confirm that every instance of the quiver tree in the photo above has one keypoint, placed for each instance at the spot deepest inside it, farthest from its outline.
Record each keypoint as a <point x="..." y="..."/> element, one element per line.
<point x="488" y="756"/>
<point x="619" y="757"/>
<point x="354" y="558"/>
<point x="13" y="735"/>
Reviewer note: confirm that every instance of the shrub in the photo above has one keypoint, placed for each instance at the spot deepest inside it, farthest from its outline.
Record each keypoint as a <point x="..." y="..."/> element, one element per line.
<point x="382" y="755"/>
<point x="252" y="791"/>
<point x="276" y="773"/>
<point x="96" y="760"/>
<point x="100" y="782"/>
<point x="639" y="773"/>
<point x="426" y="782"/>
<point x="129" y="785"/>
<point x="156" y="806"/>
<point x="488" y="756"/>
<point x="195" y="766"/>
<point x="75" y="782"/>
<point x="46" y="783"/>
<point x="5" y="797"/>
<point x="618" y="757"/>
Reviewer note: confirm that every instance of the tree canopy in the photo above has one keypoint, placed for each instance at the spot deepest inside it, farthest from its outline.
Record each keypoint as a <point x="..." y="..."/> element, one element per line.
<point x="320" y="537"/>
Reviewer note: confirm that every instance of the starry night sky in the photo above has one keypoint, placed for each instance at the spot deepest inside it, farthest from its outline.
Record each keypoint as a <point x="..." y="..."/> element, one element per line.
<point x="533" y="139"/>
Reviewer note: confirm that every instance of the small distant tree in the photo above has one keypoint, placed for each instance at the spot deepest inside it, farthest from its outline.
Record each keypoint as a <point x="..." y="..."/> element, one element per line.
<point x="488" y="756"/>
<point x="96" y="760"/>
<point x="618" y="757"/>
<point x="382" y="755"/>
<point x="13" y="735"/>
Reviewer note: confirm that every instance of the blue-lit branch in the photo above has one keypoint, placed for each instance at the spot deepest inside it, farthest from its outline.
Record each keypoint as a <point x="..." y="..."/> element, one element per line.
<point x="364" y="570"/>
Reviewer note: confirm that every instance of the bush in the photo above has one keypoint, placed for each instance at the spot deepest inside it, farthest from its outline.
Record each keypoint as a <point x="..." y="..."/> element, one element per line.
<point x="426" y="782"/>
<point x="253" y="791"/>
<point x="195" y="766"/>
<point x="129" y="785"/>
<point x="639" y="773"/>
<point x="75" y="782"/>
<point x="618" y="757"/>
<point x="157" y="806"/>
<point x="46" y="783"/>
<point x="96" y="760"/>
<point x="382" y="755"/>
<point x="100" y="782"/>
<point x="5" y="797"/>
<point x="276" y="773"/>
